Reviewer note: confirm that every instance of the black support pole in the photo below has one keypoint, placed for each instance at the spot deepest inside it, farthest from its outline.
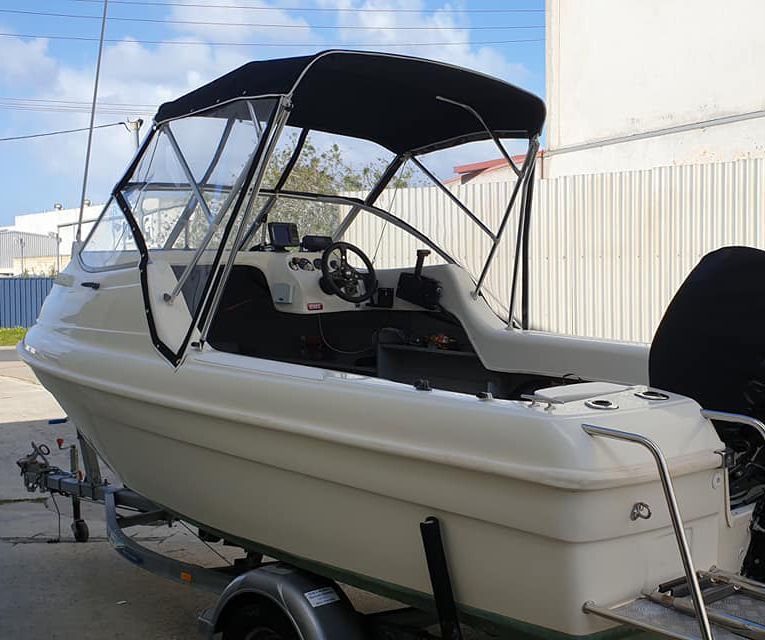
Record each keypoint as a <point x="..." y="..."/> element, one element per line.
<point x="435" y="555"/>
<point x="525" y="275"/>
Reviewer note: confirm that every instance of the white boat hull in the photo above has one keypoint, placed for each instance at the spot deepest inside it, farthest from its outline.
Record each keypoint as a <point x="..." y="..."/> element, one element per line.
<point x="518" y="550"/>
<point x="337" y="470"/>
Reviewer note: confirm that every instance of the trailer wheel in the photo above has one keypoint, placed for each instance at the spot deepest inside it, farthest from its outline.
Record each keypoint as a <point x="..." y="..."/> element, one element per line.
<point x="260" y="620"/>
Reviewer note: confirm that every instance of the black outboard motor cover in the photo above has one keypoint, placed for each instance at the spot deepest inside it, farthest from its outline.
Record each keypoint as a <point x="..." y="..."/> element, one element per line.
<point x="710" y="346"/>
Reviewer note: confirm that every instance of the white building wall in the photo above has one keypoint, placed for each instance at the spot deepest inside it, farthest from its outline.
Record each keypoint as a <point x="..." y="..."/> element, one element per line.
<point x="685" y="74"/>
<point x="61" y="221"/>
<point x="19" y="251"/>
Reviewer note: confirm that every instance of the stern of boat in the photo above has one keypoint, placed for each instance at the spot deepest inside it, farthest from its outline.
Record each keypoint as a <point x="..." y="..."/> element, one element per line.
<point x="703" y="603"/>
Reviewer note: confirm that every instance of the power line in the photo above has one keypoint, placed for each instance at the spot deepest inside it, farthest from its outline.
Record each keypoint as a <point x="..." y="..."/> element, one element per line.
<point x="67" y="105"/>
<point x="71" y="106"/>
<point x="261" y="25"/>
<point x="101" y="111"/>
<point x="271" y="44"/>
<point x="58" y="133"/>
<point x="78" y="102"/>
<point x="152" y="3"/>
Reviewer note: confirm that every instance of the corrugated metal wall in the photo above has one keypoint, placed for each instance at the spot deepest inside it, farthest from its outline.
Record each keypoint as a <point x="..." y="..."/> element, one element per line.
<point x="21" y="300"/>
<point x="15" y="244"/>
<point x="608" y="251"/>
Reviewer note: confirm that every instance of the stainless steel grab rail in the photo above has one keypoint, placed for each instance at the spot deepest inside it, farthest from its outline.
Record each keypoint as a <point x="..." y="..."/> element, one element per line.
<point x="737" y="418"/>
<point x="674" y="514"/>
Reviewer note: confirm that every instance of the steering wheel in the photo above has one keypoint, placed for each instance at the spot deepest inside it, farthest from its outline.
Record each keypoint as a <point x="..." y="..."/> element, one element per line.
<point x="340" y="278"/>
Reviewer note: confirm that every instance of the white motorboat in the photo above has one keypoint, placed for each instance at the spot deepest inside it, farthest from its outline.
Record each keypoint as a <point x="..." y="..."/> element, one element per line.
<point x="230" y="346"/>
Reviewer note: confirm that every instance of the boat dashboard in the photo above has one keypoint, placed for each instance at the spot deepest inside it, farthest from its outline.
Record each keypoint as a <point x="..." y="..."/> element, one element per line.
<point x="316" y="274"/>
<point x="295" y="283"/>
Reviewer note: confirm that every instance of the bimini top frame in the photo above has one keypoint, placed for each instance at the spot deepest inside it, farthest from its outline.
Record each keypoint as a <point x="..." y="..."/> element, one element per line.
<point x="407" y="105"/>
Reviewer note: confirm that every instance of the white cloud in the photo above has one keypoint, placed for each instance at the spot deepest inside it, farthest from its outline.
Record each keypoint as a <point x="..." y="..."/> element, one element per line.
<point x="131" y="73"/>
<point x="26" y="63"/>
<point x="407" y="31"/>
<point x="242" y="25"/>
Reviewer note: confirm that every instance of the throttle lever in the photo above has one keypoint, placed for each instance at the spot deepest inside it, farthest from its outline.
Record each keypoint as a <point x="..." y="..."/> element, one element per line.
<point x="421" y="255"/>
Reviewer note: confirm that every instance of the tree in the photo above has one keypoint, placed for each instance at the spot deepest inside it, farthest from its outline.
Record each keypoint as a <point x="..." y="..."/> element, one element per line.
<point x="322" y="171"/>
<point x="325" y="171"/>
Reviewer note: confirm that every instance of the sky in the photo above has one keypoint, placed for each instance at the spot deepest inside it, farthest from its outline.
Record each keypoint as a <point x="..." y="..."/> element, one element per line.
<point x="159" y="49"/>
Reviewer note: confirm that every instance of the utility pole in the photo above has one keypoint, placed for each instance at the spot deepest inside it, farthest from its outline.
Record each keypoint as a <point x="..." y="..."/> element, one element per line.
<point x="21" y="244"/>
<point x="134" y="126"/>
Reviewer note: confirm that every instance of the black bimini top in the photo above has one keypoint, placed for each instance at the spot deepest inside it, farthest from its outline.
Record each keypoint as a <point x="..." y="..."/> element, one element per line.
<point x="389" y="99"/>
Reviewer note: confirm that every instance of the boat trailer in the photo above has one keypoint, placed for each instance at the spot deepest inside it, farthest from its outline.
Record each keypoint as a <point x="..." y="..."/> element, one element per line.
<point x="276" y="597"/>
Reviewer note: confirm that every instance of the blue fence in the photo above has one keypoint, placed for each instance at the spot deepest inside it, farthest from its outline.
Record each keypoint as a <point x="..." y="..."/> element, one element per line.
<point x="21" y="299"/>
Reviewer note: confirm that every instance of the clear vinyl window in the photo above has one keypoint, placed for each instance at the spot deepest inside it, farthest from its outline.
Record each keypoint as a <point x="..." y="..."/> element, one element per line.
<point x="189" y="177"/>
<point x="111" y="243"/>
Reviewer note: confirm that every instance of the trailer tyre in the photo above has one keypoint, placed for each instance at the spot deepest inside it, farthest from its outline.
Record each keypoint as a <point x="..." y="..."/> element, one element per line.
<point x="258" y="621"/>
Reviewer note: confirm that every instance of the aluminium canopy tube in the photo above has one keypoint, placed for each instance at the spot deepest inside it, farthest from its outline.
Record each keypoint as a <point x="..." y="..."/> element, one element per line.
<point x="258" y="171"/>
<point x="189" y="175"/>
<point x="492" y="135"/>
<point x="212" y="228"/>
<point x="525" y="201"/>
<point x="374" y="193"/>
<point x="377" y="211"/>
<point x="262" y="217"/>
<point x="453" y="198"/>
<point x="527" y="165"/>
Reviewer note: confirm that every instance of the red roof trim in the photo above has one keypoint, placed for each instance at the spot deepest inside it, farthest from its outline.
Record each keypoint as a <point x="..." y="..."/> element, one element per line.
<point x="480" y="166"/>
<point x="489" y="164"/>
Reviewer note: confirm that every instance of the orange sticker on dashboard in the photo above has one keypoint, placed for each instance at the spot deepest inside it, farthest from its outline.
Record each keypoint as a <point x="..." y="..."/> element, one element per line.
<point x="315" y="306"/>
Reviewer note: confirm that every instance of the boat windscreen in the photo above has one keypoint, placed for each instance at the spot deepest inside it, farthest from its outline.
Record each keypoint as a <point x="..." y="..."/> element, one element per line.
<point x="183" y="188"/>
<point x="461" y="214"/>
<point x="311" y="173"/>
<point x="183" y="192"/>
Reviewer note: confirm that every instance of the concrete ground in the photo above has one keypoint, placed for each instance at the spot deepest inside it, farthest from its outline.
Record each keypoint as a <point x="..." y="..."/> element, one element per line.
<point x="61" y="589"/>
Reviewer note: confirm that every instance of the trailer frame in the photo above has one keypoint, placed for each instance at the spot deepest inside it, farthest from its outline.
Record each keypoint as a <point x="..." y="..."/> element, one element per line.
<point x="313" y="606"/>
